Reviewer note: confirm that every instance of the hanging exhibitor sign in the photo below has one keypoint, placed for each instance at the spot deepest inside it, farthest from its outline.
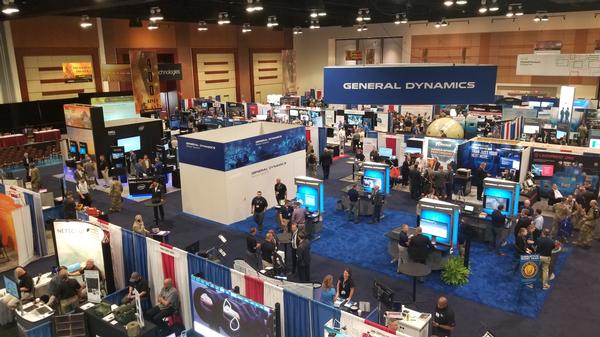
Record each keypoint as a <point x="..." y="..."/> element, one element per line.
<point x="529" y="267"/>
<point x="170" y="72"/>
<point x="78" y="116"/>
<point x="77" y="72"/>
<point x="410" y="84"/>
<point x="78" y="241"/>
<point x="145" y="80"/>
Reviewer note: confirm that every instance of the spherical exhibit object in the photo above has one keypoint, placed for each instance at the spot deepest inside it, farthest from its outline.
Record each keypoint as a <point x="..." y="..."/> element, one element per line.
<point x="445" y="127"/>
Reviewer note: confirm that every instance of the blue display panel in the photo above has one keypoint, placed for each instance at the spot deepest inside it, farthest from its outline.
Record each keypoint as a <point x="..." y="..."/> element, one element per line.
<point x="492" y="197"/>
<point x="309" y="197"/>
<point x="130" y="143"/>
<point x="436" y="224"/>
<point x="498" y="157"/>
<point x="11" y="287"/>
<point x="371" y="179"/>
<point x="218" y="312"/>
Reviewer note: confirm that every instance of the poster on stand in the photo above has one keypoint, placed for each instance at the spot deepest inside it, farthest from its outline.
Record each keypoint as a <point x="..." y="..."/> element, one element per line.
<point x="78" y="241"/>
<point x="145" y="80"/>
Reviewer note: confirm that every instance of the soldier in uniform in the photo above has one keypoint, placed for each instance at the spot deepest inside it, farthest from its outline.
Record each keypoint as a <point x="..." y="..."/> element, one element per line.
<point x="562" y="211"/>
<point x="116" y="189"/>
<point x="588" y="224"/>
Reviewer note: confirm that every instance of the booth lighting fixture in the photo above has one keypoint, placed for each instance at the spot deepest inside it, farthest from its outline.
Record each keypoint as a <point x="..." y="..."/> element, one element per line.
<point x="202" y="27"/>
<point x="152" y="25"/>
<point x="9" y="7"/>
<point x="246" y="28"/>
<point x="314" y="24"/>
<point x="401" y="18"/>
<point x="85" y="22"/>
<point x="156" y="14"/>
<point x="363" y="15"/>
<point x="509" y="12"/>
<point x="272" y="21"/>
<point x="519" y="11"/>
<point x="254" y="6"/>
<point x="442" y="23"/>
<point x="297" y="30"/>
<point x="461" y="2"/>
<point x="317" y="12"/>
<point x="483" y="9"/>
<point x="223" y="18"/>
<point x="448" y="3"/>
<point x="362" y="27"/>
<point x="541" y="17"/>
<point x="494" y="7"/>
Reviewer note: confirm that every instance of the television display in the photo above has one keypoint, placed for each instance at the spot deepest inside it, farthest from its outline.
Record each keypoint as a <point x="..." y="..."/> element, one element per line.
<point x="542" y="170"/>
<point x="218" y="312"/>
<point x="293" y="112"/>
<point x="412" y="150"/>
<point x="308" y="197"/>
<point x="531" y="129"/>
<point x="371" y="179"/>
<point x="83" y="148"/>
<point x="11" y="287"/>
<point x="385" y="152"/>
<point x="73" y="148"/>
<point x="355" y="119"/>
<point x="116" y="107"/>
<point x="493" y="202"/>
<point x="130" y="143"/>
<point x="434" y="228"/>
<point x="561" y="134"/>
<point x="595" y="143"/>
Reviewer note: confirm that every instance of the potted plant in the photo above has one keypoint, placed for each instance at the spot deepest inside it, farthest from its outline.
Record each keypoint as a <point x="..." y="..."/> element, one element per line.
<point x="454" y="272"/>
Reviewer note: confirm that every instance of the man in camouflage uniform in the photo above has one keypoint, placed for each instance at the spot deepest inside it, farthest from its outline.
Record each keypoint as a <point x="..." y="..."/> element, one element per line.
<point x="562" y="211"/>
<point x="588" y="224"/>
<point x="116" y="189"/>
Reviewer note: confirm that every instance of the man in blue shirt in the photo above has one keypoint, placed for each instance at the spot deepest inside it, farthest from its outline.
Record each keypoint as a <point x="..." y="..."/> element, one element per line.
<point x="353" y="204"/>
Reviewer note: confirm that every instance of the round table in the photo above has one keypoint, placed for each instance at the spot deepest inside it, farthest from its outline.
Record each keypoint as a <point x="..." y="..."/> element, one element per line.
<point x="414" y="270"/>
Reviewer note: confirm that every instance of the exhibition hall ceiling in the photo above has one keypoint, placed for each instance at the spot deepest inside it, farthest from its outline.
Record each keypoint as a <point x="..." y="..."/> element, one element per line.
<point x="292" y="13"/>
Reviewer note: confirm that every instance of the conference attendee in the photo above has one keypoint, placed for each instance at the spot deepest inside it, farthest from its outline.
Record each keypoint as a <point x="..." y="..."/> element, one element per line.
<point x="562" y="213"/>
<point x="394" y="176"/>
<point x="523" y="221"/>
<point x="158" y="194"/>
<point x="415" y="182"/>
<point x="449" y="182"/>
<point x="294" y="242"/>
<point x="89" y="166"/>
<point x="555" y="195"/>
<point x="35" y="177"/>
<point x="538" y="219"/>
<point x="167" y="303"/>
<point x="26" y="165"/>
<point x="544" y="247"/>
<point x="79" y="173"/>
<point x="267" y="249"/>
<point x="342" y="138"/>
<point x="438" y="179"/>
<point x="137" y="282"/>
<point x="374" y="155"/>
<point x="312" y="162"/>
<point x="138" y="225"/>
<point x="377" y="199"/>
<point x="345" y="286"/>
<point x="443" y="319"/>
<point x="280" y="191"/>
<point x="89" y="265"/>
<point x="326" y="161"/>
<point x="403" y="245"/>
<point x="115" y="193"/>
<point x="275" y="238"/>
<point x="159" y="170"/>
<point x="521" y="242"/>
<point x="147" y="164"/>
<point x="139" y="168"/>
<point x="527" y="206"/>
<point x="588" y="226"/>
<point x="25" y="283"/>
<point x="285" y="216"/>
<point x="67" y="292"/>
<point x="353" y="209"/>
<point x="252" y="249"/>
<point x="359" y="156"/>
<point x="405" y="171"/>
<point x="54" y="285"/>
<point x="419" y="246"/>
<point x="497" y="229"/>
<point x="258" y="206"/>
<point x="84" y="193"/>
<point x="69" y="207"/>
<point x="299" y="215"/>
<point x="103" y="168"/>
<point x="478" y="177"/>
<point x="327" y="290"/>
<point x="303" y="254"/>
<point x="132" y="162"/>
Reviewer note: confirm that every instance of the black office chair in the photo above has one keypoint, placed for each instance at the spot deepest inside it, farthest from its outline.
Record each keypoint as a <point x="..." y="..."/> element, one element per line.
<point x="3" y="249"/>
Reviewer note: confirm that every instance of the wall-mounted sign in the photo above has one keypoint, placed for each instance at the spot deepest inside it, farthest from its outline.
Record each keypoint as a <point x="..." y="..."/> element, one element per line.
<point x="144" y="76"/>
<point x="169" y="71"/>
<point x="353" y="55"/>
<point x="116" y="72"/>
<point x="77" y="72"/>
<point x="78" y="116"/>
<point x="410" y="84"/>
<point x="558" y="65"/>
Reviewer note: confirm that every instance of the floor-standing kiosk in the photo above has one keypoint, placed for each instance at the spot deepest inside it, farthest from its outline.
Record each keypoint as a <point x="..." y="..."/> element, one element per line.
<point x="439" y="220"/>
<point x="310" y="193"/>
<point x="501" y="192"/>
<point x="376" y="174"/>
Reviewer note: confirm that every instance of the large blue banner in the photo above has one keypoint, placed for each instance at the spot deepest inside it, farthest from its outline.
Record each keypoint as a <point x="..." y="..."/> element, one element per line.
<point x="498" y="157"/>
<point x="529" y="267"/>
<point x="410" y="85"/>
<point x="201" y="153"/>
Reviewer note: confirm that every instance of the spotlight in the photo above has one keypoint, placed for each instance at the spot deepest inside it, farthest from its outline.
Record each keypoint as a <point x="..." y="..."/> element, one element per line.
<point x="9" y="7"/>
<point x="272" y="21"/>
<point x="545" y="18"/>
<point x="444" y="23"/>
<point x="321" y="12"/>
<point x="254" y="6"/>
<point x="400" y="18"/>
<point x="85" y="22"/>
<point x="367" y="15"/>
<point x="448" y="3"/>
<point x="202" y="26"/>
<point x="404" y="18"/>
<point x="314" y="24"/>
<point x="314" y="13"/>
<point x="246" y="28"/>
<point x="438" y="24"/>
<point x="537" y="18"/>
<point x="519" y="11"/>
<point x="510" y="13"/>
<point x="223" y="18"/>
<point x="494" y="7"/>
<point x="297" y="30"/>
<point x="362" y="27"/>
<point x="461" y="2"/>
<point x="156" y="14"/>
<point x="363" y="15"/>
<point x="152" y="25"/>
<point x="483" y="7"/>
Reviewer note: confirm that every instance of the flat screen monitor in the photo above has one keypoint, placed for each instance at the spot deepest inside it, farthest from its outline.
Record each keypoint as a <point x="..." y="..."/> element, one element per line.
<point x="595" y="143"/>
<point x="546" y="104"/>
<point x="355" y="119"/>
<point x="561" y="134"/>
<point x="83" y="148"/>
<point x="531" y="129"/>
<point x="371" y="179"/>
<point x="534" y="104"/>
<point x="434" y="228"/>
<point x="116" y="107"/>
<point x="308" y="197"/>
<point x="385" y="152"/>
<point x="220" y="312"/>
<point x="130" y="143"/>
<point x="73" y="148"/>
<point x="11" y="287"/>
<point x="542" y="170"/>
<point x="293" y="112"/>
<point x="412" y="150"/>
<point x="469" y="208"/>
<point x="493" y="202"/>
<point x="261" y="117"/>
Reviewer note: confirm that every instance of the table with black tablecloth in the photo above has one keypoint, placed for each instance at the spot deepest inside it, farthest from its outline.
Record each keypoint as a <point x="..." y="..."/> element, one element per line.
<point x="96" y="326"/>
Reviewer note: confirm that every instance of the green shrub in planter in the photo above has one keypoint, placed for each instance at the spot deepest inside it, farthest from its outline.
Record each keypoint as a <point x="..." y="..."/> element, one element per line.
<point x="454" y="272"/>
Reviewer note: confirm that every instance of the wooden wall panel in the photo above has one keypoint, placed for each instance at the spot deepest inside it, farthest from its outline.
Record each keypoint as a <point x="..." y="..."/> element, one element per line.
<point x="216" y="75"/>
<point x="267" y="71"/>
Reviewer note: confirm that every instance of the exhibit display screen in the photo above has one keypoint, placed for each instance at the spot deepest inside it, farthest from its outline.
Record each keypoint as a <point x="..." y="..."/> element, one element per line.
<point x="130" y="143"/>
<point x="560" y="134"/>
<point x="566" y="170"/>
<point x="73" y="147"/>
<point x="531" y="129"/>
<point x="218" y="312"/>
<point x="11" y="287"/>
<point x="371" y="179"/>
<point x="436" y="224"/>
<point x="117" y="107"/>
<point x="355" y="119"/>
<point x="385" y="152"/>
<point x="595" y="143"/>
<point x="293" y="112"/>
<point x="308" y="196"/>
<point x="542" y="170"/>
<point x="493" y="202"/>
<point x="498" y="157"/>
<point x="83" y="148"/>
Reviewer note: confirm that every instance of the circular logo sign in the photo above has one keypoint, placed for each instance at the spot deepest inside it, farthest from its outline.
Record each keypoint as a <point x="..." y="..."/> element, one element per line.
<point x="529" y="270"/>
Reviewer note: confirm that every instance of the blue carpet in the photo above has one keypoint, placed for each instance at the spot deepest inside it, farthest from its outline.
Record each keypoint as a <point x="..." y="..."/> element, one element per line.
<point x="492" y="282"/>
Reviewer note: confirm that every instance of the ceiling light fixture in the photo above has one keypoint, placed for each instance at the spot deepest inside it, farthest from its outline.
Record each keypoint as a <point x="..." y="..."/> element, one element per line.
<point x="314" y="24"/>
<point x="483" y="9"/>
<point x="363" y="15"/>
<point x="461" y="2"/>
<point x="314" y="13"/>
<point x="448" y="3"/>
<point x="85" y="22"/>
<point x="494" y="7"/>
<point x="545" y="18"/>
<point x="223" y="18"/>
<point x="509" y="12"/>
<point x="254" y="6"/>
<point x="321" y="12"/>
<point x="156" y="14"/>
<point x="519" y="11"/>
<point x="362" y="27"/>
<point x="444" y="23"/>
<point x="152" y="25"/>
<point x="246" y="28"/>
<point x="537" y="18"/>
<point x="9" y="7"/>
<point x="438" y="24"/>
<point x="297" y="30"/>
<point x="400" y="18"/>
<point x="272" y="21"/>
<point x="202" y="27"/>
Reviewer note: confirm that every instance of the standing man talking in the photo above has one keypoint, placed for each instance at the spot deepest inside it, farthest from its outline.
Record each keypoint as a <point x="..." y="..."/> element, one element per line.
<point x="377" y="201"/>
<point x="478" y="177"/>
<point x="303" y="254"/>
<point x="258" y="206"/>
<point x="157" y="199"/>
<point x="326" y="161"/>
<point x="280" y="192"/>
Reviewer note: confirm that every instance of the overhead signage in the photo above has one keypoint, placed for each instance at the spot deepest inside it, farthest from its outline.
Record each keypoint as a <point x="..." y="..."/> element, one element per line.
<point x="144" y="76"/>
<point x="78" y="116"/>
<point x="77" y="72"/>
<point x="410" y="84"/>
<point x="353" y="55"/>
<point x="558" y="65"/>
<point x="170" y="72"/>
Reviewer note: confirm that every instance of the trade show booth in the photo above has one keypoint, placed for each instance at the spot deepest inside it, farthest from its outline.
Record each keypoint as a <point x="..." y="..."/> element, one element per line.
<point x="439" y="221"/>
<point x="500" y="156"/>
<point x="221" y="170"/>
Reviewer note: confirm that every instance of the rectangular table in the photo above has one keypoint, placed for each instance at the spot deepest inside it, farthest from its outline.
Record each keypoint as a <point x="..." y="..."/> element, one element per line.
<point x="13" y="140"/>
<point x="46" y="135"/>
<point x="96" y="326"/>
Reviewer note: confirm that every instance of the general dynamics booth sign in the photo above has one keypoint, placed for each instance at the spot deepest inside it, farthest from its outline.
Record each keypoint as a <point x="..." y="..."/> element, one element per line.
<point x="461" y="84"/>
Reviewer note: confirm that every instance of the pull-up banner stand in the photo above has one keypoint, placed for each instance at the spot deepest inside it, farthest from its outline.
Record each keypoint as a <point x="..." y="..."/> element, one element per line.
<point x="410" y="84"/>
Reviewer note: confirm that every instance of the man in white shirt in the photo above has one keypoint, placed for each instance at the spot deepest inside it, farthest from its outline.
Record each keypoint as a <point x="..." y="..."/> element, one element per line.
<point x="538" y="219"/>
<point x="84" y="193"/>
<point x="342" y="139"/>
<point x="294" y="242"/>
